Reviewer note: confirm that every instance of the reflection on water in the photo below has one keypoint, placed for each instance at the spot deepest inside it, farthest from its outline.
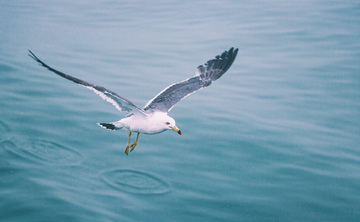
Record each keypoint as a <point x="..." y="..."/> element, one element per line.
<point x="135" y="181"/>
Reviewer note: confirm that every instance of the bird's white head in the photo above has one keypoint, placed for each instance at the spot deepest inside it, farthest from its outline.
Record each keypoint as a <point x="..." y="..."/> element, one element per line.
<point x="169" y="123"/>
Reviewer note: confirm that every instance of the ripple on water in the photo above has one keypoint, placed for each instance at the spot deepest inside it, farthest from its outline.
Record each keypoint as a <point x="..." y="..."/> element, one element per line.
<point x="42" y="151"/>
<point x="135" y="181"/>
<point x="4" y="128"/>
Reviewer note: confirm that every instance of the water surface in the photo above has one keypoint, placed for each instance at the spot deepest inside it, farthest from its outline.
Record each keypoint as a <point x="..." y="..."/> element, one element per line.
<point x="275" y="139"/>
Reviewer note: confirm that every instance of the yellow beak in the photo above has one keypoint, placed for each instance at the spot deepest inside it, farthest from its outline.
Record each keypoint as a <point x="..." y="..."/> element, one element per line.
<point x="176" y="130"/>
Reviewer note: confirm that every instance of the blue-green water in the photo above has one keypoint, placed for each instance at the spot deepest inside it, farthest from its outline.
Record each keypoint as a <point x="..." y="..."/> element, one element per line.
<point x="275" y="139"/>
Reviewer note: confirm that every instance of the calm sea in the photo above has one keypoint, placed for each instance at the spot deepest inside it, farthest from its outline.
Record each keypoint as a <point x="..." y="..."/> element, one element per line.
<point x="277" y="138"/>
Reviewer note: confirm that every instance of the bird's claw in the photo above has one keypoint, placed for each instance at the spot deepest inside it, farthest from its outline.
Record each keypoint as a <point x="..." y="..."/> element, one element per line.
<point x="133" y="146"/>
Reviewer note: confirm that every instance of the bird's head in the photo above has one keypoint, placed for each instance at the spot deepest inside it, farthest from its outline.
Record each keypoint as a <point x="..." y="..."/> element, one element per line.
<point x="170" y="124"/>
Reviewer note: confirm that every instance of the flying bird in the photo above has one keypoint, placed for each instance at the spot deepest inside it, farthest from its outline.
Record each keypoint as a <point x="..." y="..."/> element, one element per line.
<point x="153" y="117"/>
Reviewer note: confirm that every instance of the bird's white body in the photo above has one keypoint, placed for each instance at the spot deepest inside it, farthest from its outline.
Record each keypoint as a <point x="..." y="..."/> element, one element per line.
<point x="153" y="123"/>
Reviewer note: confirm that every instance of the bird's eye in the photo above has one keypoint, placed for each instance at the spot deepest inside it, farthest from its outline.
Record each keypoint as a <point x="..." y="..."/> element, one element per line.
<point x="167" y="123"/>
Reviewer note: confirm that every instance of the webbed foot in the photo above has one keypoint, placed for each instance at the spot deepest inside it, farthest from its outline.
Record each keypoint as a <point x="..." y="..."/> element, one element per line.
<point x="127" y="149"/>
<point x="133" y="146"/>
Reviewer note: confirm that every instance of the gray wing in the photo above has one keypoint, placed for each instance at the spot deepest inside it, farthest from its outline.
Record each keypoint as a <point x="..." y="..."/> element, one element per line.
<point x="205" y="74"/>
<point x="119" y="102"/>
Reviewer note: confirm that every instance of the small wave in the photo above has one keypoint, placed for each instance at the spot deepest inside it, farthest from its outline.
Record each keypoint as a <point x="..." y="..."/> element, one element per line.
<point x="42" y="151"/>
<point x="135" y="181"/>
<point x="4" y="128"/>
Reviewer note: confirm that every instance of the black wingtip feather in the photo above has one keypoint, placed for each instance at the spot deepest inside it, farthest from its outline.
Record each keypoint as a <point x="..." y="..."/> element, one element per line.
<point x="33" y="56"/>
<point x="215" y="68"/>
<point x="230" y="55"/>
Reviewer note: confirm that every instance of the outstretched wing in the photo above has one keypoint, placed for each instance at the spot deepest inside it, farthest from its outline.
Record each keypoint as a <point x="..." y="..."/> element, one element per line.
<point x="119" y="102"/>
<point x="205" y="74"/>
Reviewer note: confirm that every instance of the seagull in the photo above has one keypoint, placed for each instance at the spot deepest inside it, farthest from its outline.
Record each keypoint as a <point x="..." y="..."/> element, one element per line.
<point x="153" y="117"/>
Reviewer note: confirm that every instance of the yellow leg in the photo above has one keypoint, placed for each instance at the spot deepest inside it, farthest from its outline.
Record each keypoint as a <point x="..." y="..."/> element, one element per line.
<point x="135" y="143"/>
<point x="128" y="144"/>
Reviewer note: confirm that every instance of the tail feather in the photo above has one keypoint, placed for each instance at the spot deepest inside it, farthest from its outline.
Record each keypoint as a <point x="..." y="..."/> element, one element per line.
<point x="110" y="126"/>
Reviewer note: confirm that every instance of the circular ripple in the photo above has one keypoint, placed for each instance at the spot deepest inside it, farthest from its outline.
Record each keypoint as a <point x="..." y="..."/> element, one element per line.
<point x="43" y="151"/>
<point x="135" y="181"/>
